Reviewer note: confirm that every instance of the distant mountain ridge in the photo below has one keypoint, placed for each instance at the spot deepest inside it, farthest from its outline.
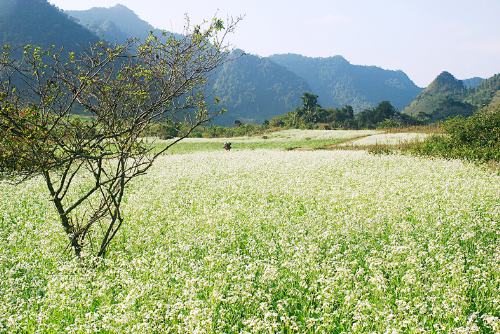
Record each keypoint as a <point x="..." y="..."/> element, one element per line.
<point x="254" y="88"/>
<point x="339" y="83"/>
<point x="104" y="21"/>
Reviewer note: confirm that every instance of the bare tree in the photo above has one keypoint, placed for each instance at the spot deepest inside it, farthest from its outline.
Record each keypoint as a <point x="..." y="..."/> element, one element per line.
<point x="123" y="89"/>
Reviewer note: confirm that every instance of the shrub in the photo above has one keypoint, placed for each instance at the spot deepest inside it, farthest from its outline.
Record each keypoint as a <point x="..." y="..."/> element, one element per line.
<point x="476" y="138"/>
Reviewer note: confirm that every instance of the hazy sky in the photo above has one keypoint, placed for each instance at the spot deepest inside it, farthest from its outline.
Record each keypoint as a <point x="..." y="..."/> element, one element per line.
<point x="420" y="37"/>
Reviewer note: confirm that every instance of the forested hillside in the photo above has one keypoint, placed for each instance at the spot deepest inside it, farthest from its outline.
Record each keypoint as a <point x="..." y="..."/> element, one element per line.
<point x="252" y="89"/>
<point x="339" y="83"/>
<point x="39" y="23"/>
<point x="487" y="92"/>
<point x="447" y="97"/>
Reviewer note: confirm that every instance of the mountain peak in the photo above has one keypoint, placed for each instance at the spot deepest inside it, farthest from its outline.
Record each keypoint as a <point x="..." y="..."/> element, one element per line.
<point x="123" y="17"/>
<point x="447" y="81"/>
<point x="120" y="6"/>
<point x="444" y="87"/>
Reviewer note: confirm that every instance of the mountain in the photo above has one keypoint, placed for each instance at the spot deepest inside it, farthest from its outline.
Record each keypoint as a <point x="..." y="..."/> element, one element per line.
<point x="116" y="23"/>
<point x="472" y="82"/>
<point x="339" y="83"/>
<point x="447" y="97"/>
<point x="39" y="23"/>
<point x="444" y="88"/>
<point x="252" y="89"/>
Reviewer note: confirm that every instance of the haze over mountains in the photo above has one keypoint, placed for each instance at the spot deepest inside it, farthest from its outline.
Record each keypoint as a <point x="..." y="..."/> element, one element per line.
<point x="252" y="88"/>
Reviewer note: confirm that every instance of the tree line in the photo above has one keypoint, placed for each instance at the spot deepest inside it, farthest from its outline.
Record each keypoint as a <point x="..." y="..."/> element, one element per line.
<point x="308" y="116"/>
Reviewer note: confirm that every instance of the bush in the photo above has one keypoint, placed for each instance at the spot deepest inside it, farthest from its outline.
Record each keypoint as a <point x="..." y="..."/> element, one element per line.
<point x="476" y="138"/>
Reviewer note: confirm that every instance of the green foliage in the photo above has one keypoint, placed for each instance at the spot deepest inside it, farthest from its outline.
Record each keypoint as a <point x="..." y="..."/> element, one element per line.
<point x="312" y="116"/>
<point x="164" y="130"/>
<point x="485" y="92"/>
<point x="445" y="86"/>
<point x="370" y="118"/>
<point x="476" y="138"/>
<point x="125" y="89"/>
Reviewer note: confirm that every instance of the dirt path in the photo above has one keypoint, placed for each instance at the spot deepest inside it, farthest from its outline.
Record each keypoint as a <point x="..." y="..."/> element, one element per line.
<point x="330" y="147"/>
<point x="302" y="149"/>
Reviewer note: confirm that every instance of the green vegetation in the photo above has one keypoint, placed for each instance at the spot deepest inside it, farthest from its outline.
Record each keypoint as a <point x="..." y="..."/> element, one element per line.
<point x="476" y="138"/>
<point x="309" y="116"/>
<point x="485" y="93"/>
<point x="279" y="140"/>
<point x="448" y="97"/>
<point x="312" y="116"/>
<point x="258" y="239"/>
<point x="449" y="108"/>
<point x="445" y="86"/>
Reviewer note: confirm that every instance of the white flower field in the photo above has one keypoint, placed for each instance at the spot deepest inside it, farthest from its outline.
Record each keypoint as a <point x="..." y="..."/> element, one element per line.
<point x="267" y="241"/>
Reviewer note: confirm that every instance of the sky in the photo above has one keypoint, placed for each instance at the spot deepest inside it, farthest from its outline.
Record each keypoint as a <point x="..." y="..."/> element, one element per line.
<point x="420" y="37"/>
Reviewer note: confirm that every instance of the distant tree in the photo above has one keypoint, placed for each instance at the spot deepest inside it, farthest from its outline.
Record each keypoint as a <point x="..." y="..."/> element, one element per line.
<point x="238" y="123"/>
<point x="265" y="123"/>
<point x="309" y="103"/>
<point x="125" y="90"/>
<point x="310" y="110"/>
<point x="369" y="118"/>
<point x="340" y="115"/>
